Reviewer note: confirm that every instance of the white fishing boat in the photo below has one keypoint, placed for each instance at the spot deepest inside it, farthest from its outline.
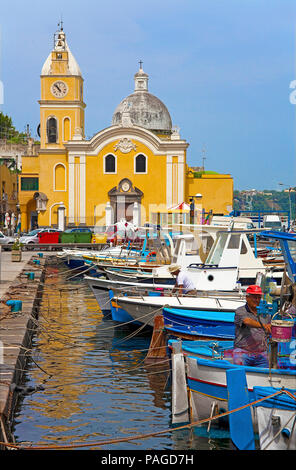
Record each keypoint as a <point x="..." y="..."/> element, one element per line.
<point x="230" y="255"/>
<point x="206" y="382"/>
<point x="201" y="384"/>
<point x="143" y="309"/>
<point x="231" y="259"/>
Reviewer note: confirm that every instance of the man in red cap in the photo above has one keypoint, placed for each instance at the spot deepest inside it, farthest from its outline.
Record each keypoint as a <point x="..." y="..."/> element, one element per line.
<point x="251" y="332"/>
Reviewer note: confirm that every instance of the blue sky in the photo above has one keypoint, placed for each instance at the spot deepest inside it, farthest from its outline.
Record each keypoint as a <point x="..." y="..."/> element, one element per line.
<point x="222" y="67"/>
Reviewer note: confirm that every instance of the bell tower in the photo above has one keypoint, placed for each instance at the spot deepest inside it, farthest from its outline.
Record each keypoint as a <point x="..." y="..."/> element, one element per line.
<point x="61" y="103"/>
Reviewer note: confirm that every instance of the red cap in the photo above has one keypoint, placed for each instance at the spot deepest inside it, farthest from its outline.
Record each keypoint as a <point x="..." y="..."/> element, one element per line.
<point x="254" y="290"/>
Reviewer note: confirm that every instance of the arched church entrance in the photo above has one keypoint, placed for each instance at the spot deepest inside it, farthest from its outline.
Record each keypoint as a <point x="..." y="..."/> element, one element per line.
<point x="32" y="215"/>
<point x="125" y="199"/>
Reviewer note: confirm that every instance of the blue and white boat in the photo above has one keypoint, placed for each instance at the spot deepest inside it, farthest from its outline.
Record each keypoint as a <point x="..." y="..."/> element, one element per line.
<point x="199" y="309"/>
<point x="231" y="259"/>
<point x="202" y="384"/>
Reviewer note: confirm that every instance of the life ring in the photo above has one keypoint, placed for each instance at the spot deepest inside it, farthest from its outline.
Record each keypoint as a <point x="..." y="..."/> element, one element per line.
<point x="150" y="254"/>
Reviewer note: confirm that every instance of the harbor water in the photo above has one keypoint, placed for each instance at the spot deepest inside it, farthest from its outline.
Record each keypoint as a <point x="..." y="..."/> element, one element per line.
<point x="86" y="381"/>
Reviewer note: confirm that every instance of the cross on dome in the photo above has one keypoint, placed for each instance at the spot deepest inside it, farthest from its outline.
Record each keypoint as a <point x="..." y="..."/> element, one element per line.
<point x="141" y="79"/>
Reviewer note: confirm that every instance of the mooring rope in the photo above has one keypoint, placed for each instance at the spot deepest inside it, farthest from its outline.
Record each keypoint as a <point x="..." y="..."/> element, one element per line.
<point x="279" y="432"/>
<point x="147" y="435"/>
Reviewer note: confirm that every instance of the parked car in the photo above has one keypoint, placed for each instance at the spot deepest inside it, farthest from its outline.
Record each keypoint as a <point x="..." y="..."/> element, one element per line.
<point x="5" y="240"/>
<point x="32" y="237"/>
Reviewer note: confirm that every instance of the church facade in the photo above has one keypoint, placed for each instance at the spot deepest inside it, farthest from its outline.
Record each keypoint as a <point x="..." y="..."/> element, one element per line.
<point x="135" y="169"/>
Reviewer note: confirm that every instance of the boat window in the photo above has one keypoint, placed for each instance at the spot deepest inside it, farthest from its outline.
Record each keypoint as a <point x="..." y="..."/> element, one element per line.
<point x="217" y="250"/>
<point x="234" y="242"/>
<point x="176" y="250"/>
<point x="244" y="249"/>
<point x="191" y="246"/>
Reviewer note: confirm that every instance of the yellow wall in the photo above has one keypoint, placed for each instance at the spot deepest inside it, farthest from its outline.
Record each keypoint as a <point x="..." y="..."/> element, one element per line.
<point x="43" y="166"/>
<point x="8" y="181"/>
<point x="216" y="190"/>
<point x="152" y="184"/>
<point x="63" y="108"/>
<point x="52" y="165"/>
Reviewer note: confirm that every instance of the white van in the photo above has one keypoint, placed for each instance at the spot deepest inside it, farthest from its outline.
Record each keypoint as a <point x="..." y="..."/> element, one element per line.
<point x="272" y="222"/>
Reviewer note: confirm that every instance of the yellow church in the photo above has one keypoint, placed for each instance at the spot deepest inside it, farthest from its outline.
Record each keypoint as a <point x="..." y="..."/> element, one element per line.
<point x="135" y="169"/>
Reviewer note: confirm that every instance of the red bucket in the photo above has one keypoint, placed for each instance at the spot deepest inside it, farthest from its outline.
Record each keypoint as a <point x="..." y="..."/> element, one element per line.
<point x="281" y="330"/>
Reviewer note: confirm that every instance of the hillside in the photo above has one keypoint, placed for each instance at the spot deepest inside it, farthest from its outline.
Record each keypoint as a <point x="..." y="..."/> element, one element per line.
<point x="265" y="200"/>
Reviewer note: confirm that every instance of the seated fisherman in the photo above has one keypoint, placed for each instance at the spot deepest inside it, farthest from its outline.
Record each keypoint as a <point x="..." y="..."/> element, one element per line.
<point x="251" y="332"/>
<point x="184" y="283"/>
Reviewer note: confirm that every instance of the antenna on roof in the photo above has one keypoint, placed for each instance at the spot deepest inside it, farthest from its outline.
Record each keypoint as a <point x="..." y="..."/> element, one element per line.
<point x="203" y="158"/>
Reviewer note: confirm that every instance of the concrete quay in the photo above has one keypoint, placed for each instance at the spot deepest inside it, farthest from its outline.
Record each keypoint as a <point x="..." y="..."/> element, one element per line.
<point x="16" y="328"/>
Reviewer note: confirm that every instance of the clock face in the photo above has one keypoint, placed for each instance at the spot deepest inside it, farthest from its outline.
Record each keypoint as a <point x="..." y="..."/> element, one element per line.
<point x="59" y="89"/>
<point x="125" y="186"/>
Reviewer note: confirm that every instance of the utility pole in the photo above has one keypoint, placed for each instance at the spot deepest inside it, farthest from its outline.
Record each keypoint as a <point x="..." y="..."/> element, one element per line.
<point x="203" y="152"/>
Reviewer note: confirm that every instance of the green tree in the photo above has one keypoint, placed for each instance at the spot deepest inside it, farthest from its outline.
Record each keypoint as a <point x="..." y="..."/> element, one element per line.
<point x="9" y="132"/>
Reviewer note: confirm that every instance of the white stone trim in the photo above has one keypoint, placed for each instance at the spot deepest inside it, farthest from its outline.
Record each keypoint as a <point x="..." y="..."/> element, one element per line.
<point x="59" y="105"/>
<point x="111" y="134"/>
<point x="82" y="207"/>
<point x="71" y="189"/>
<point x="109" y="140"/>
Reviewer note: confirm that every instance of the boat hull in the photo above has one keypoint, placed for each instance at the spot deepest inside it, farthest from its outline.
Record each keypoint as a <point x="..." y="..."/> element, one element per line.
<point x="144" y="309"/>
<point x="207" y="384"/>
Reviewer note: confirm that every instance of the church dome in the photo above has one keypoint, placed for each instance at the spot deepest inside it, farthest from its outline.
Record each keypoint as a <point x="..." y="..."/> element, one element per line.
<point x="143" y="108"/>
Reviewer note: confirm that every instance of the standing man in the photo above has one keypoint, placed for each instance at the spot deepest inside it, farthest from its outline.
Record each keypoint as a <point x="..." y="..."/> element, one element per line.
<point x="184" y="283"/>
<point x="251" y="331"/>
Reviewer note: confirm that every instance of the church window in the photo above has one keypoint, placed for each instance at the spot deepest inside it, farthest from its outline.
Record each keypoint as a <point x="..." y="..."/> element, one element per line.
<point x="52" y="130"/>
<point x="140" y="164"/>
<point x="110" y="164"/>
<point x="29" y="184"/>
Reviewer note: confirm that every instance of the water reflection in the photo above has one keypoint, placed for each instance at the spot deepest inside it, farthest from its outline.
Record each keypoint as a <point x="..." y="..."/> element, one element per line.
<point x="97" y="385"/>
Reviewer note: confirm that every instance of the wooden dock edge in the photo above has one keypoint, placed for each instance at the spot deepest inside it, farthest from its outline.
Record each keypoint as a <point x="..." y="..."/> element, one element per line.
<point x="22" y="326"/>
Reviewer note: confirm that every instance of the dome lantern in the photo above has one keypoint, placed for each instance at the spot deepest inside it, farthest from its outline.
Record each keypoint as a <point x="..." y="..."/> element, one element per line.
<point x="141" y="79"/>
<point x="145" y="110"/>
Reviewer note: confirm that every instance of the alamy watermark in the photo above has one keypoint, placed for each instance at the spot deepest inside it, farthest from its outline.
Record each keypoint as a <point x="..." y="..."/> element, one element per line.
<point x="293" y="93"/>
<point x="1" y="352"/>
<point x="1" y="83"/>
<point x="293" y="353"/>
<point x="1" y="93"/>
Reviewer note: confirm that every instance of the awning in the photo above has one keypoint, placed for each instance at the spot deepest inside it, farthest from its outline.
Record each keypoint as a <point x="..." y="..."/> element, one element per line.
<point x="182" y="207"/>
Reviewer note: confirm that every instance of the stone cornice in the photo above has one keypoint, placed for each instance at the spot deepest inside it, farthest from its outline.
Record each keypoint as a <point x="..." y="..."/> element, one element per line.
<point x="109" y="134"/>
<point x="61" y="102"/>
<point x="52" y="151"/>
<point x="61" y="75"/>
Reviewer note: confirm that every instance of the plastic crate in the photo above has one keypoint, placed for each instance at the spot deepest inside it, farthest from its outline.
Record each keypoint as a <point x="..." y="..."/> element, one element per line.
<point x="83" y="237"/>
<point x="99" y="238"/>
<point x="48" y="237"/>
<point x="67" y="237"/>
